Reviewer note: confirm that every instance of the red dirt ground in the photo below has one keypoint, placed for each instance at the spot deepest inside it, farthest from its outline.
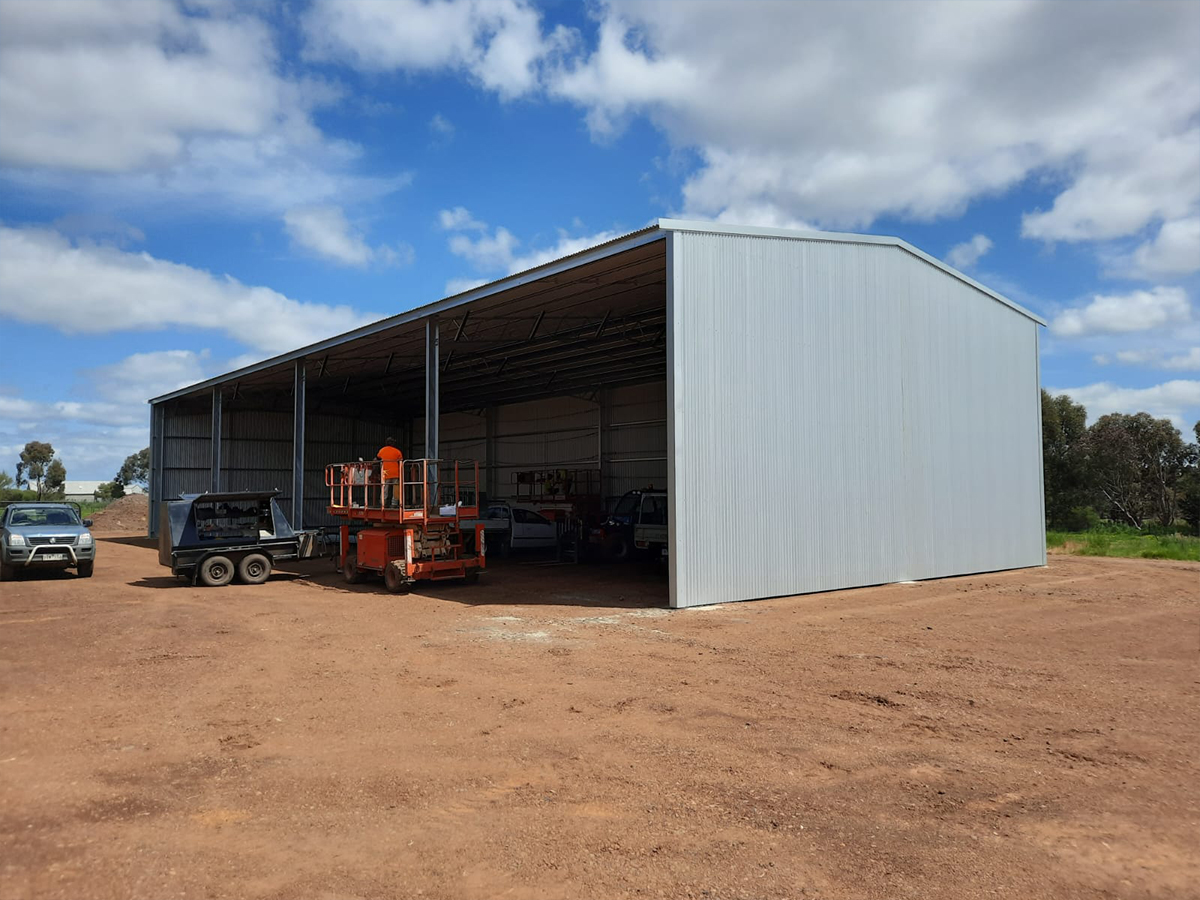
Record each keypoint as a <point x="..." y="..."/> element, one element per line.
<point x="126" y="515"/>
<point x="553" y="734"/>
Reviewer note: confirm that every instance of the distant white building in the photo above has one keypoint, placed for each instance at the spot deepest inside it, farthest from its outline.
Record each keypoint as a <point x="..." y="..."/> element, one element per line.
<point x="85" y="491"/>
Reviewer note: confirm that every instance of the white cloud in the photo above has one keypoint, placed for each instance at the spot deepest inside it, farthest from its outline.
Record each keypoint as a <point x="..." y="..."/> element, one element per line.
<point x="499" y="43"/>
<point x="44" y="279"/>
<point x="1177" y="400"/>
<point x="144" y="102"/>
<point x="1124" y="313"/>
<point x="841" y="113"/>
<point x="1187" y="361"/>
<point x="459" y="219"/>
<point x="1174" y="251"/>
<point x="966" y="254"/>
<point x="442" y="128"/>
<point x="462" y="285"/>
<point x="324" y="231"/>
<point x="137" y="378"/>
<point x="498" y="252"/>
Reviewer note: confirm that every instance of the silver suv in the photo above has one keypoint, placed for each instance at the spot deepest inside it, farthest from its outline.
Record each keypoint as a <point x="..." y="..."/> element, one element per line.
<point x="45" y="536"/>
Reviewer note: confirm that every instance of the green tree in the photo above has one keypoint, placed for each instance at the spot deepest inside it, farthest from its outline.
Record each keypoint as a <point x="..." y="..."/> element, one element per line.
<point x="1064" y="427"/>
<point x="110" y="490"/>
<point x="34" y="459"/>
<point x="1188" y="488"/>
<point x="6" y="481"/>
<point x="55" y="482"/>
<point x="1134" y="462"/>
<point x="135" y="469"/>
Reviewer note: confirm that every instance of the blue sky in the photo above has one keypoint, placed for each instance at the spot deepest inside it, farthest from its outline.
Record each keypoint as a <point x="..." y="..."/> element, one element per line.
<point x="190" y="186"/>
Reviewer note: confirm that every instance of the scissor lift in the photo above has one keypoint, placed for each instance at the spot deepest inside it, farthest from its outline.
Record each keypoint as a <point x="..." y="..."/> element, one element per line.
<point x="413" y="526"/>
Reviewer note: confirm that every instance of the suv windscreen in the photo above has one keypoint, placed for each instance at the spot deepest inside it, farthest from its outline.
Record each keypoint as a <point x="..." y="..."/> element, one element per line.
<point x="627" y="505"/>
<point x="42" y="516"/>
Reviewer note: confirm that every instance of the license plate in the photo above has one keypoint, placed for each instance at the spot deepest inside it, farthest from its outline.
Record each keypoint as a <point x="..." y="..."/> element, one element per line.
<point x="54" y="557"/>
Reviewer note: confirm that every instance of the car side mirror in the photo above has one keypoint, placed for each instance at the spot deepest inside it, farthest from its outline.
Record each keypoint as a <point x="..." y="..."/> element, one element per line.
<point x="87" y="523"/>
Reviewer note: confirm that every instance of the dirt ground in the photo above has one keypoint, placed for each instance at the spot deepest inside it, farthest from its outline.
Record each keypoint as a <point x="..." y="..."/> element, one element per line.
<point x="556" y="734"/>
<point x="126" y="515"/>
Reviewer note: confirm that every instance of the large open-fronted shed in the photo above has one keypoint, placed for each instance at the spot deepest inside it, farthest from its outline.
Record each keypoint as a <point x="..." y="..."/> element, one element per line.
<point x="824" y="410"/>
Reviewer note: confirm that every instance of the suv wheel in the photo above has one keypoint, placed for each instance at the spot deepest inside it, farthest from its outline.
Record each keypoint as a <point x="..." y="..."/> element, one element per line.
<point x="7" y="572"/>
<point x="85" y="569"/>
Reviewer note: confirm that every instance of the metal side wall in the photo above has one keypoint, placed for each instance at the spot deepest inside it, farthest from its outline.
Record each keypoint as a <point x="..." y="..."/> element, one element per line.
<point x="624" y="427"/>
<point x="186" y="465"/>
<point x="844" y="415"/>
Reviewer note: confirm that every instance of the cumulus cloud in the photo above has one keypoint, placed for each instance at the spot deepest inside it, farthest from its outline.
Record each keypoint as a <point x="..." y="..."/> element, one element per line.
<point x="1173" y="252"/>
<point x="139" y="102"/>
<point x="498" y="43"/>
<point x="950" y="102"/>
<point x="459" y="219"/>
<point x="1124" y="313"/>
<point x="137" y="378"/>
<point x="1177" y="400"/>
<point x="499" y="251"/>
<point x="88" y="289"/>
<point x="325" y="232"/>
<point x="966" y="254"/>
<point x="1187" y="361"/>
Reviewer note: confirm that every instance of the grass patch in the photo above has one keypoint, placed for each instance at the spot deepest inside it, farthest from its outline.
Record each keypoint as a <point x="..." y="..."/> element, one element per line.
<point x="1128" y="544"/>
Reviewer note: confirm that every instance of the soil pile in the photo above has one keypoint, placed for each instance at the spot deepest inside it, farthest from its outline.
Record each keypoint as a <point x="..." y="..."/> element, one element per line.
<point x="128" y="515"/>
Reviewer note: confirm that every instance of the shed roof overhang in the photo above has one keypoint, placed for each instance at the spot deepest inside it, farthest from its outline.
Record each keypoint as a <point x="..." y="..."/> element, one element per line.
<point x="592" y="319"/>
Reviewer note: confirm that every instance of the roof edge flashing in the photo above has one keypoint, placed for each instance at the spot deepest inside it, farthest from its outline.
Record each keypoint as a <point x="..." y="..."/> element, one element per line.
<point x="838" y="237"/>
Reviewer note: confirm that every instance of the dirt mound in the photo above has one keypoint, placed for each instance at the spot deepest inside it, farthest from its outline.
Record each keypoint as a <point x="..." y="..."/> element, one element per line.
<point x="128" y="515"/>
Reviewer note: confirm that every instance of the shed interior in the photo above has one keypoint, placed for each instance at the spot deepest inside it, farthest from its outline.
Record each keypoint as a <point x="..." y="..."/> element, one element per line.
<point x="563" y="371"/>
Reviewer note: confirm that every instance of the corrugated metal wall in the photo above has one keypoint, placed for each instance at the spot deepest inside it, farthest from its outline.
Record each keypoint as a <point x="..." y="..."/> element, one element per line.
<point x="561" y="432"/>
<point x="564" y="433"/>
<point x="844" y="414"/>
<point x="187" y="452"/>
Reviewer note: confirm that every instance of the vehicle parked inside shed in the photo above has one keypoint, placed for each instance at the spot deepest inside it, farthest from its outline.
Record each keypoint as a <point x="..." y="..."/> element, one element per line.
<point x="37" y="535"/>
<point x="211" y="538"/>
<point x="513" y="526"/>
<point x="637" y="522"/>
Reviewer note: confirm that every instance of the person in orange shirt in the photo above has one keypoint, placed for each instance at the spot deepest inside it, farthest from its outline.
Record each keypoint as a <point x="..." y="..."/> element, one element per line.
<point x="390" y="459"/>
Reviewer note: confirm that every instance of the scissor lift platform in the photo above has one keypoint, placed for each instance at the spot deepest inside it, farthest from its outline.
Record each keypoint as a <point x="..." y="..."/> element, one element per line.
<point x="414" y="523"/>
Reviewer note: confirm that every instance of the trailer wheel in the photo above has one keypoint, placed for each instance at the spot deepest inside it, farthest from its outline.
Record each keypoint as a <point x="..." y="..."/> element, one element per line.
<point x="471" y="577"/>
<point x="394" y="581"/>
<point x="216" y="571"/>
<point x="350" y="570"/>
<point x="254" y="568"/>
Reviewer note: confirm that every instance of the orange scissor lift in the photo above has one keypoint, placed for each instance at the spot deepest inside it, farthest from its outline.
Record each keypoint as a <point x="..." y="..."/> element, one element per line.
<point x="414" y="525"/>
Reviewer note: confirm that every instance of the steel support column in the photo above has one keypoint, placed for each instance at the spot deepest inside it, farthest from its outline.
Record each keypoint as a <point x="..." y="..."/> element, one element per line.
<point x="491" y="474"/>
<point x="216" y="440"/>
<point x="432" y="388"/>
<point x="156" y="467"/>
<point x="298" y="410"/>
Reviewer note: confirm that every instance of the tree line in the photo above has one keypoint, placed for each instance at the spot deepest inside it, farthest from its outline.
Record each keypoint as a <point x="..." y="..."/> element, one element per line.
<point x="41" y="475"/>
<point x="1128" y="468"/>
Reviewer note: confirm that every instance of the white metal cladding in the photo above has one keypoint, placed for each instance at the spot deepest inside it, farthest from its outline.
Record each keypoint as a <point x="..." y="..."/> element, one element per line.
<point x="844" y="414"/>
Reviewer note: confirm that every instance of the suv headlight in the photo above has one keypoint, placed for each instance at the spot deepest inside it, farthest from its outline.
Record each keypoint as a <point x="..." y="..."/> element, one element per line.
<point x="85" y="540"/>
<point x="16" y="540"/>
